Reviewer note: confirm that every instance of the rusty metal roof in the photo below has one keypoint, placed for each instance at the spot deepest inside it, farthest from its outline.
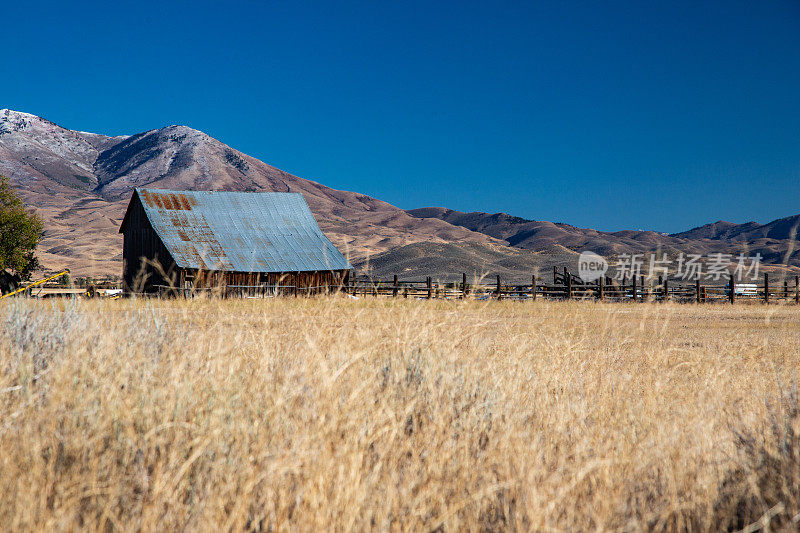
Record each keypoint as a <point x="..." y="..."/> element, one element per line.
<point x="240" y="231"/>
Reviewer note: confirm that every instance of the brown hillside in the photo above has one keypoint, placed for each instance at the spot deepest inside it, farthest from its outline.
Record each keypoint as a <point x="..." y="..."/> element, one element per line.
<point x="80" y="184"/>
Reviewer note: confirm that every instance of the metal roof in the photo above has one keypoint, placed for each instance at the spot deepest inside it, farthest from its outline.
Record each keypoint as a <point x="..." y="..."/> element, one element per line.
<point x="240" y="231"/>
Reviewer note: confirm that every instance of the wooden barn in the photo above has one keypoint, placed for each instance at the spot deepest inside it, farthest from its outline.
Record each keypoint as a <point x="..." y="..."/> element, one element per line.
<point x="234" y="242"/>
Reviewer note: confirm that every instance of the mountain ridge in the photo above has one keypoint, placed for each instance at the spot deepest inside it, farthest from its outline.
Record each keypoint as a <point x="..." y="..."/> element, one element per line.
<point x="80" y="183"/>
<point x="775" y="241"/>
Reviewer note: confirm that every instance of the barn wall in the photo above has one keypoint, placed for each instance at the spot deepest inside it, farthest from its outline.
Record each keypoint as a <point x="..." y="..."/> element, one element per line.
<point x="245" y="283"/>
<point x="141" y="241"/>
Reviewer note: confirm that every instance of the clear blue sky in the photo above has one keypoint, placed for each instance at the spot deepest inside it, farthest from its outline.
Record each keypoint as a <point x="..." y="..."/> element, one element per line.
<point x="651" y="115"/>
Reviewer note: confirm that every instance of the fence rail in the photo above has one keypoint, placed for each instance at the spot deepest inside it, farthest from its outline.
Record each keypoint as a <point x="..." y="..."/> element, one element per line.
<point x="564" y="286"/>
<point x="568" y="286"/>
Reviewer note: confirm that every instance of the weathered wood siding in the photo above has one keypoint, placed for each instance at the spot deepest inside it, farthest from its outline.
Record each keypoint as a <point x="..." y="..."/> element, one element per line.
<point x="142" y="250"/>
<point x="244" y="282"/>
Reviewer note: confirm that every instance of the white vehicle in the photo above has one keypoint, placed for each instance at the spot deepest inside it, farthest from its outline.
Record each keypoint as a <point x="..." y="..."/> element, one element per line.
<point x="745" y="289"/>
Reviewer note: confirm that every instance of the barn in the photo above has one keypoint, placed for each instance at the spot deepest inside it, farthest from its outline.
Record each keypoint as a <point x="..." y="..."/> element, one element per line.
<point x="233" y="242"/>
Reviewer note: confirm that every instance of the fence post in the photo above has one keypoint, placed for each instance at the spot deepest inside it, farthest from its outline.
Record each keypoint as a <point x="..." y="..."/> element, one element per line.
<point x="645" y="293"/>
<point x="463" y="285"/>
<point x="555" y="275"/>
<point x="499" y="290"/>
<point x="785" y="289"/>
<point x="396" y="287"/>
<point x="666" y="290"/>
<point x="430" y="287"/>
<point x="766" y="288"/>
<point x="600" y="288"/>
<point x="697" y="290"/>
<point x="533" y="287"/>
<point x="732" y="288"/>
<point x="633" y="284"/>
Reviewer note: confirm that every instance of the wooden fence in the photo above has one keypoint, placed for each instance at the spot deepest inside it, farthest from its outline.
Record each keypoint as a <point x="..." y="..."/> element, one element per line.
<point x="566" y="286"/>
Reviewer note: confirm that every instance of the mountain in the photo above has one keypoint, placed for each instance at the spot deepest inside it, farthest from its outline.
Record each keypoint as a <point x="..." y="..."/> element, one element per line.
<point x="716" y="230"/>
<point x="80" y="184"/>
<point x="541" y="235"/>
<point x="776" y="242"/>
<point x="778" y="230"/>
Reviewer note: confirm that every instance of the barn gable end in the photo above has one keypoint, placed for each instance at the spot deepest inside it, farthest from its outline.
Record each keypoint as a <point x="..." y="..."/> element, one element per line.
<point x="146" y="262"/>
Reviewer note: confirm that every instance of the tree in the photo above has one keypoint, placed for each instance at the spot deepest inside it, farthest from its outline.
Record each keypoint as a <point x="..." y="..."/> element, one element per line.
<point x="20" y="231"/>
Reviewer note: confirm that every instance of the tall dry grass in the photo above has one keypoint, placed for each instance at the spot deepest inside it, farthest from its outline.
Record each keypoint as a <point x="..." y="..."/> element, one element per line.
<point x="333" y="414"/>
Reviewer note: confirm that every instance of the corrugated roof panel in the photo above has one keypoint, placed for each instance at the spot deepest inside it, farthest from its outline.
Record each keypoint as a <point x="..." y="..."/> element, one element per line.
<point x="240" y="231"/>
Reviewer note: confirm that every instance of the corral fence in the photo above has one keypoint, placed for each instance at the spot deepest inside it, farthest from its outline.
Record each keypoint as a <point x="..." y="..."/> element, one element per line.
<point x="567" y="286"/>
<point x="562" y="286"/>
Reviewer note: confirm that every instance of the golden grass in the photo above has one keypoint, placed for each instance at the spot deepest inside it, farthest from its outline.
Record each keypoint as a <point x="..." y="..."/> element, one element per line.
<point x="334" y="414"/>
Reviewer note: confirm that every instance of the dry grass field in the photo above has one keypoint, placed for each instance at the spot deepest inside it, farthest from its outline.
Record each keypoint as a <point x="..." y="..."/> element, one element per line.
<point x="335" y="414"/>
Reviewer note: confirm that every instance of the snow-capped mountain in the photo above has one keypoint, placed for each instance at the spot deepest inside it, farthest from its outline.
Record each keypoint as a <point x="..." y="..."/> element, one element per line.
<point x="80" y="184"/>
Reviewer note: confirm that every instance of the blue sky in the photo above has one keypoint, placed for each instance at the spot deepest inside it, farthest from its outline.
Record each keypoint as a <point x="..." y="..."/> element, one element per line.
<point x="612" y="115"/>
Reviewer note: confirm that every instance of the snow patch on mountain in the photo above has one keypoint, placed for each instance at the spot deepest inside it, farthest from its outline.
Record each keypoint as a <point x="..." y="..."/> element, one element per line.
<point x="28" y="136"/>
